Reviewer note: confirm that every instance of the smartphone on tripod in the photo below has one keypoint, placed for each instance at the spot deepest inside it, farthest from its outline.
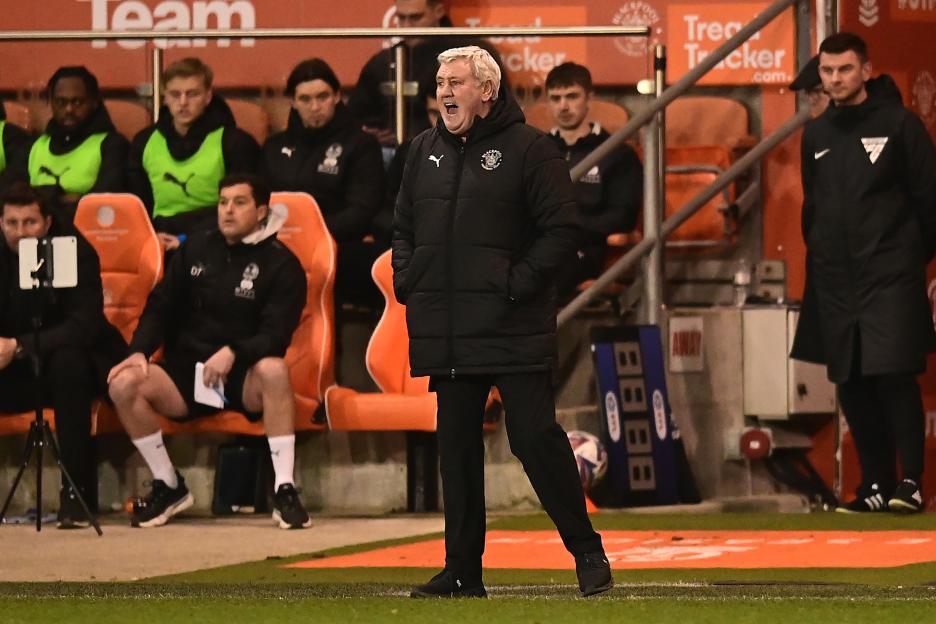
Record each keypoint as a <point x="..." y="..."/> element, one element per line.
<point x="48" y="262"/>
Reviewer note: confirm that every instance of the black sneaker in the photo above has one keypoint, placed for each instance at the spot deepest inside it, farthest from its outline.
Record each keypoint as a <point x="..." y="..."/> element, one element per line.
<point x="867" y="500"/>
<point x="71" y="514"/>
<point x="907" y="498"/>
<point x="288" y="512"/>
<point x="162" y="503"/>
<point x="594" y="573"/>
<point x="447" y="584"/>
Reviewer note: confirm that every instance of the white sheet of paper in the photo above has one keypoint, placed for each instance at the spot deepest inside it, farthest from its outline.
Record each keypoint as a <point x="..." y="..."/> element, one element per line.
<point x="207" y="395"/>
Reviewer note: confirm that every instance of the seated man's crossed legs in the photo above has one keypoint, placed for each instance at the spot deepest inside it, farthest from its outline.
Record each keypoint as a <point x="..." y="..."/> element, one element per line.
<point x="142" y="391"/>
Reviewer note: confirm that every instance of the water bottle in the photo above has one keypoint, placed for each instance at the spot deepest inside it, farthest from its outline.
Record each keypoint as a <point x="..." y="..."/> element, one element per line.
<point x="742" y="282"/>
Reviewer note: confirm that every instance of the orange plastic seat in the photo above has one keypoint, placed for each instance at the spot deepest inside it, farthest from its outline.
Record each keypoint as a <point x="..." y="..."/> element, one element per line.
<point x="18" y="424"/>
<point x="610" y="115"/>
<point x="311" y="354"/>
<point x="404" y="402"/>
<point x="707" y="120"/>
<point x="251" y="118"/>
<point x="128" y="117"/>
<point x="18" y="114"/>
<point x="118" y="227"/>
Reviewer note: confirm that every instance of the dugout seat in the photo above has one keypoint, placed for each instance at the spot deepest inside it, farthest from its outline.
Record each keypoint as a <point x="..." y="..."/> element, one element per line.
<point x="311" y="354"/>
<point x="128" y="117"/>
<point x="404" y="403"/>
<point x="251" y="118"/>
<point x="689" y="170"/>
<point x="708" y="120"/>
<point x="17" y="113"/>
<point x="610" y="115"/>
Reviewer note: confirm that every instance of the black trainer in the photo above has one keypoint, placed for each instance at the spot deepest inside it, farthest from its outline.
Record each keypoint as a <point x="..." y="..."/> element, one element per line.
<point x="162" y="503"/>
<point x="288" y="512"/>
<point x="907" y="498"/>
<point x="594" y="573"/>
<point x="867" y="499"/>
<point x="71" y="514"/>
<point x="448" y="584"/>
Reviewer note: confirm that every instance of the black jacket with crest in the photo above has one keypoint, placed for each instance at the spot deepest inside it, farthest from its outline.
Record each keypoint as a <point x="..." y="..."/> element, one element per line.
<point x="479" y="230"/>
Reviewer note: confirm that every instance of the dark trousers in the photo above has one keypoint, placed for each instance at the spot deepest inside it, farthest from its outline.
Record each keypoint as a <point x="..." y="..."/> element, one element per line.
<point x="536" y="439"/>
<point x="886" y="418"/>
<point x="68" y="388"/>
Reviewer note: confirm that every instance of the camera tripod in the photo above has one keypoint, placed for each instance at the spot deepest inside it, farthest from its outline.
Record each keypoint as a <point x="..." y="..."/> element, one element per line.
<point x="39" y="432"/>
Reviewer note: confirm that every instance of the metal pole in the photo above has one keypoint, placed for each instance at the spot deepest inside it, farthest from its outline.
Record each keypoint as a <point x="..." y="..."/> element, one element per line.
<point x="399" y="53"/>
<point x="157" y="81"/>
<point x="727" y="177"/>
<point x="329" y="33"/>
<point x="679" y="87"/>
<point x="654" y="199"/>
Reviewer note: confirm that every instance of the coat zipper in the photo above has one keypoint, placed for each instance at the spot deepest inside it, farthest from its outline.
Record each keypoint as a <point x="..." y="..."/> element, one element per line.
<point x="451" y="264"/>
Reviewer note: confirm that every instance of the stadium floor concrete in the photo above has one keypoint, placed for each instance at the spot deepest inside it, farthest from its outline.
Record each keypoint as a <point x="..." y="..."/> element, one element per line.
<point x="184" y="545"/>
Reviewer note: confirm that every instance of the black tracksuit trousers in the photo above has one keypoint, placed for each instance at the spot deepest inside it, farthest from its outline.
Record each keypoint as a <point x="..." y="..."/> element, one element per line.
<point x="536" y="439"/>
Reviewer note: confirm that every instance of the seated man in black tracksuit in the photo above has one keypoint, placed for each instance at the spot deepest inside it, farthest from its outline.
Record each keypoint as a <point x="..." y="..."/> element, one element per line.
<point x="81" y="151"/>
<point x="77" y="345"/>
<point x="14" y="152"/>
<point x="176" y="164"/>
<point x="324" y="153"/>
<point x="231" y="299"/>
<point x="609" y="195"/>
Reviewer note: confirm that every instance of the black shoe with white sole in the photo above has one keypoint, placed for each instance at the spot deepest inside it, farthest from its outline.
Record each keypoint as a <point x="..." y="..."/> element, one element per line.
<point x="907" y="498"/>
<point x="288" y="512"/>
<point x="867" y="500"/>
<point x="162" y="503"/>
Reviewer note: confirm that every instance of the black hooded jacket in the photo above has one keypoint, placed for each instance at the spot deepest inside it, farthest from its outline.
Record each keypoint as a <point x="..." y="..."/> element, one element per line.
<point x="480" y="228"/>
<point x="16" y="144"/>
<point x="112" y="174"/>
<point x="340" y="165"/>
<point x="240" y="150"/>
<point x="71" y="317"/>
<point x="609" y="196"/>
<point x="247" y="297"/>
<point x="869" y="220"/>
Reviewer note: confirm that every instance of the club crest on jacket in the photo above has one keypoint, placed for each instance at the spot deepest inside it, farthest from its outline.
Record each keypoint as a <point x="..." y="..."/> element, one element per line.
<point x="330" y="164"/>
<point x="491" y="159"/>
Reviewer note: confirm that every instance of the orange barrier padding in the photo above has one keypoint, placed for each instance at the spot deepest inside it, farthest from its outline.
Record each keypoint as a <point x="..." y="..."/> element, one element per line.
<point x="543" y="550"/>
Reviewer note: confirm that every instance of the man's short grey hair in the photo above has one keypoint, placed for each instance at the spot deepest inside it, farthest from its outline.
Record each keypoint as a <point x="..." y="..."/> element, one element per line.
<point x="483" y="66"/>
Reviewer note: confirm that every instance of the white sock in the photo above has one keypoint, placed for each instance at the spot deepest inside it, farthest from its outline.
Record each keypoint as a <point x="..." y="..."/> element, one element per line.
<point x="283" y="453"/>
<point x="154" y="453"/>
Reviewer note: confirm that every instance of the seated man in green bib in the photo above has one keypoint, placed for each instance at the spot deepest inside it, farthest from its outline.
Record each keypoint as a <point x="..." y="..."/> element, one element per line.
<point x="81" y="151"/>
<point x="176" y="164"/>
<point x="14" y="152"/>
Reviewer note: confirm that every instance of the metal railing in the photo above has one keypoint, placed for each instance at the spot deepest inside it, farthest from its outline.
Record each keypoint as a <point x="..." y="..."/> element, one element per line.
<point x="652" y="242"/>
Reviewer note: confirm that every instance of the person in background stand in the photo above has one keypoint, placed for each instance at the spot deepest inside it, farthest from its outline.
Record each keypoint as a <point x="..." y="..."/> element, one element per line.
<point x="14" y="152"/>
<point x="176" y="164"/>
<point x="609" y="195"/>
<point x="324" y="153"/>
<point x="81" y="151"/>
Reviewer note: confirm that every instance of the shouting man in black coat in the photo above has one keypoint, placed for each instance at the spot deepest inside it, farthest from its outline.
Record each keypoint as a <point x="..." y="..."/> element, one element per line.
<point x="869" y="220"/>
<point x="485" y="216"/>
